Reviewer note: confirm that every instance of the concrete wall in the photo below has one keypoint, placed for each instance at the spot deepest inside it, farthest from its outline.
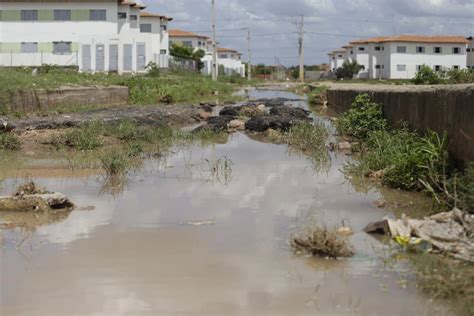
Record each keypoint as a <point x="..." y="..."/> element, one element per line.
<point x="447" y="109"/>
<point x="37" y="100"/>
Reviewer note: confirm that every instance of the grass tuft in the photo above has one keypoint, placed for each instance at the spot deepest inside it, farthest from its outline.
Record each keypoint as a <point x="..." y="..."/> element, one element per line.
<point x="322" y="242"/>
<point x="9" y="141"/>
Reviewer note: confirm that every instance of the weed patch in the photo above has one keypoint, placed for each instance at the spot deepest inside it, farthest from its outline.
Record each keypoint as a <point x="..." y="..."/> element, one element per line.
<point x="320" y="241"/>
<point x="9" y="141"/>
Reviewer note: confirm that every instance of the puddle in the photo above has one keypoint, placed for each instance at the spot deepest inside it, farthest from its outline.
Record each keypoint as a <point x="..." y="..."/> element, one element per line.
<point x="180" y="239"/>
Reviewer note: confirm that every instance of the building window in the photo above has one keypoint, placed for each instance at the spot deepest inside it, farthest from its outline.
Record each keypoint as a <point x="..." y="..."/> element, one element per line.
<point x="62" y="15"/>
<point x="133" y="17"/>
<point x="456" y="67"/>
<point x="437" y="50"/>
<point x="378" y="48"/>
<point x="29" y="47"/>
<point x="456" y="50"/>
<point x="352" y="52"/>
<point x="122" y="15"/>
<point x="61" y="47"/>
<point x="401" y="49"/>
<point x="401" y="67"/>
<point x="334" y="58"/>
<point x="420" y="49"/>
<point x="163" y="28"/>
<point x="361" y="49"/>
<point x="378" y="67"/>
<point x="223" y="56"/>
<point x="163" y="51"/>
<point x="145" y="28"/>
<point x="97" y="15"/>
<point x="468" y="50"/>
<point x="29" y="15"/>
<point x="340" y="56"/>
<point x="437" y="68"/>
<point x="187" y="43"/>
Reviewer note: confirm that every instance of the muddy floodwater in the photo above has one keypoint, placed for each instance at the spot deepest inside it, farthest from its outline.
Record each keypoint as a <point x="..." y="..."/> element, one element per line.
<point x="179" y="238"/>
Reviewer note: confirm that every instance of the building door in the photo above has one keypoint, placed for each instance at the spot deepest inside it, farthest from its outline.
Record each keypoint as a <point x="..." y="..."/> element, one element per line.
<point x="99" y="58"/>
<point x="141" y="56"/>
<point x="113" y="57"/>
<point x="86" y="58"/>
<point x="127" y="57"/>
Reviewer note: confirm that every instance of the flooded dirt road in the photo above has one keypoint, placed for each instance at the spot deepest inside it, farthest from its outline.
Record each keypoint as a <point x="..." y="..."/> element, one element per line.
<point x="180" y="239"/>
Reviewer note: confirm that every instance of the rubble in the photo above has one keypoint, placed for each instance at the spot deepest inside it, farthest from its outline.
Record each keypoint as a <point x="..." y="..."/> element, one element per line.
<point x="451" y="233"/>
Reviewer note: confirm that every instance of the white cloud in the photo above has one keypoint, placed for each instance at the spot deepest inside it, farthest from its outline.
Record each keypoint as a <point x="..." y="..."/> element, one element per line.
<point x="335" y="21"/>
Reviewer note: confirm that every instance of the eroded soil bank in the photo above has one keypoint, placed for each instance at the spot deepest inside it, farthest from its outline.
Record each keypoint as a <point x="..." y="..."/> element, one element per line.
<point x="184" y="236"/>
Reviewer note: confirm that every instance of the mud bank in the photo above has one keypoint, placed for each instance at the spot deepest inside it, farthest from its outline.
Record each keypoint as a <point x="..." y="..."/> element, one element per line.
<point x="29" y="101"/>
<point x="442" y="109"/>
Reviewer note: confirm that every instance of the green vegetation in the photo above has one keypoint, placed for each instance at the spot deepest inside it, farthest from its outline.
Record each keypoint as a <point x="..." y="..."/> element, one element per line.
<point x="427" y="76"/>
<point x="363" y="117"/>
<point x="188" y="52"/>
<point x="443" y="278"/>
<point x="9" y="141"/>
<point x="317" y="96"/>
<point x="306" y="139"/>
<point x="348" y="70"/>
<point x="115" y="163"/>
<point x="157" y="87"/>
<point x="403" y="159"/>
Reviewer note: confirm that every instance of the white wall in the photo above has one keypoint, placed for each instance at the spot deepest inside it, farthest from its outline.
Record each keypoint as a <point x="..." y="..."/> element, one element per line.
<point x="94" y="33"/>
<point x="447" y="60"/>
<point x="470" y="55"/>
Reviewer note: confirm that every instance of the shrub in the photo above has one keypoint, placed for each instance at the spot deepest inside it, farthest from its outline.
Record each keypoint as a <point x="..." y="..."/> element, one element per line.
<point x="426" y="75"/>
<point x="466" y="189"/>
<point x="9" y="141"/>
<point x="153" y="69"/>
<point x="363" y="117"/>
<point x="348" y="70"/>
<point x="461" y="76"/>
<point x="404" y="158"/>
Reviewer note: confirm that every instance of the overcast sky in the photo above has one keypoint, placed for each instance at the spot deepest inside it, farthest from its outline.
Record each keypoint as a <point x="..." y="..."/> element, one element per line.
<point x="329" y="23"/>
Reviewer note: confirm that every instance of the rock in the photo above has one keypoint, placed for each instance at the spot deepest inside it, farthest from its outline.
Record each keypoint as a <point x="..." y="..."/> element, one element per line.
<point x="219" y="123"/>
<point x="261" y="107"/>
<point x="204" y="114"/>
<point x="378" y="228"/>
<point x="35" y="203"/>
<point x="236" y="124"/>
<point x="5" y="126"/>
<point x="230" y="111"/>
<point x="344" y="231"/>
<point x="265" y="122"/>
<point x="343" y="146"/>
<point x="251" y="111"/>
<point x="206" y="108"/>
<point x="379" y="204"/>
<point x="297" y="113"/>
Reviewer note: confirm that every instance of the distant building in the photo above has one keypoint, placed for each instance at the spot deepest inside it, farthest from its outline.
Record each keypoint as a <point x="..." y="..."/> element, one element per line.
<point x="336" y="59"/>
<point x="94" y="35"/>
<point x="470" y="53"/>
<point x="190" y="39"/>
<point x="400" y="57"/>
<point x="230" y="60"/>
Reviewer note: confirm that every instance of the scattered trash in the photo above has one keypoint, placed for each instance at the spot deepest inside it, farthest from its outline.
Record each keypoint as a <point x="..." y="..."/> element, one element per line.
<point x="451" y="233"/>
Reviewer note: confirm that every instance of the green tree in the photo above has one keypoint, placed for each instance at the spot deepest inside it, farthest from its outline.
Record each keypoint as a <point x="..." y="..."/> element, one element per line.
<point x="348" y="70"/>
<point x="188" y="52"/>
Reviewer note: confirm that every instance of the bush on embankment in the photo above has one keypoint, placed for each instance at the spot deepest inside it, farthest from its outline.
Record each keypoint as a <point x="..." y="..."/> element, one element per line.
<point x="404" y="159"/>
<point x="427" y="76"/>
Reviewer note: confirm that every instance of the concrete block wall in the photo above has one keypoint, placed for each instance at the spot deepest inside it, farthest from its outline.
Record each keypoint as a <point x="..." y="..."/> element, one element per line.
<point x="442" y="109"/>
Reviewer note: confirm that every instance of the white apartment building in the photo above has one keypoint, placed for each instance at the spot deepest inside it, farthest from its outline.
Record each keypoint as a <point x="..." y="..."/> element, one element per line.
<point x="337" y="58"/>
<point x="230" y="59"/>
<point x="470" y="53"/>
<point x="400" y="57"/>
<point x="95" y="35"/>
<point x="190" y="39"/>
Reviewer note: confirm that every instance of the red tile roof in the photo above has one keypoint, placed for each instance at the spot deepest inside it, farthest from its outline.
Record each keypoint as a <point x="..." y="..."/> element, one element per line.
<point x="181" y="33"/>
<point x="154" y="15"/>
<point x="413" y="39"/>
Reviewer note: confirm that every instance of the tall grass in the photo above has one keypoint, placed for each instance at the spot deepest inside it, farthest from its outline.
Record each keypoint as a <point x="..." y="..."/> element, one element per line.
<point x="9" y="141"/>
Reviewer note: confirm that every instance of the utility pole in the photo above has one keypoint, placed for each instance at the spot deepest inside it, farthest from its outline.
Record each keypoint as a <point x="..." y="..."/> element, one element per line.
<point x="250" y="57"/>
<point x="214" y="70"/>
<point x="301" y="47"/>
